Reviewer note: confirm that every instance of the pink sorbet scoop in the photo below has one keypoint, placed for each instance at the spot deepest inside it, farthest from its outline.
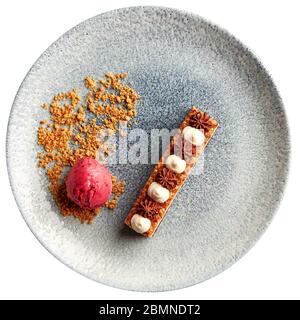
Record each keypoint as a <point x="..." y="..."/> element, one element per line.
<point x="89" y="183"/>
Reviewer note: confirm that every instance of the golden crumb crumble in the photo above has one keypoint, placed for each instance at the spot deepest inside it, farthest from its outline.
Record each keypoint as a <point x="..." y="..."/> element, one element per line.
<point x="73" y="132"/>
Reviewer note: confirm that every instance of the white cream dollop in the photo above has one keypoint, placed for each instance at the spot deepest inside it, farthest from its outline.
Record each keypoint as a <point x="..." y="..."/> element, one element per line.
<point x="175" y="163"/>
<point x="158" y="193"/>
<point x="140" y="224"/>
<point x="193" y="135"/>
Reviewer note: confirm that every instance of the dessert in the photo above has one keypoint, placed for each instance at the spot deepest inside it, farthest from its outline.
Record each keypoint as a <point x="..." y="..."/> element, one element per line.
<point x="89" y="183"/>
<point x="72" y="132"/>
<point x="171" y="172"/>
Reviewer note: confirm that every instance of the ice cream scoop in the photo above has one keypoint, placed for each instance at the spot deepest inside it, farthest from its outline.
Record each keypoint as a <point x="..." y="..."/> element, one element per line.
<point x="89" y="183"/>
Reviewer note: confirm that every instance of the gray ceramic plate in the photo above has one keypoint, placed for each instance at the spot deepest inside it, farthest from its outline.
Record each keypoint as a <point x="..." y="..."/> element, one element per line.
<point x="175" y="60"/>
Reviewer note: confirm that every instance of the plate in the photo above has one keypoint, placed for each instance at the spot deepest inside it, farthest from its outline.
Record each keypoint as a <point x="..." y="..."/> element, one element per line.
<point x="174" y="60"/>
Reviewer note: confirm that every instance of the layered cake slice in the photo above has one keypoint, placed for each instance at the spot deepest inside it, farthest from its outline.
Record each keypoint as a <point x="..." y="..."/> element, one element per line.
<point x="170" y="173"/>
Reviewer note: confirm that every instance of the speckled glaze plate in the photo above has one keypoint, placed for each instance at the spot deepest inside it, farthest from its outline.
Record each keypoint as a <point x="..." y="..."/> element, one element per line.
<point x="174" y="60"/>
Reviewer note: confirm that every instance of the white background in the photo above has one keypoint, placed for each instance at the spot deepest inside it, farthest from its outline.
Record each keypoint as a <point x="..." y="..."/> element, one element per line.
<point x="271" y="269"/>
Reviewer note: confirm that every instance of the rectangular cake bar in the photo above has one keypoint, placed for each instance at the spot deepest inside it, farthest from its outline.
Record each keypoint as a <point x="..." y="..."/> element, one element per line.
<point x="185" y="144"/>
